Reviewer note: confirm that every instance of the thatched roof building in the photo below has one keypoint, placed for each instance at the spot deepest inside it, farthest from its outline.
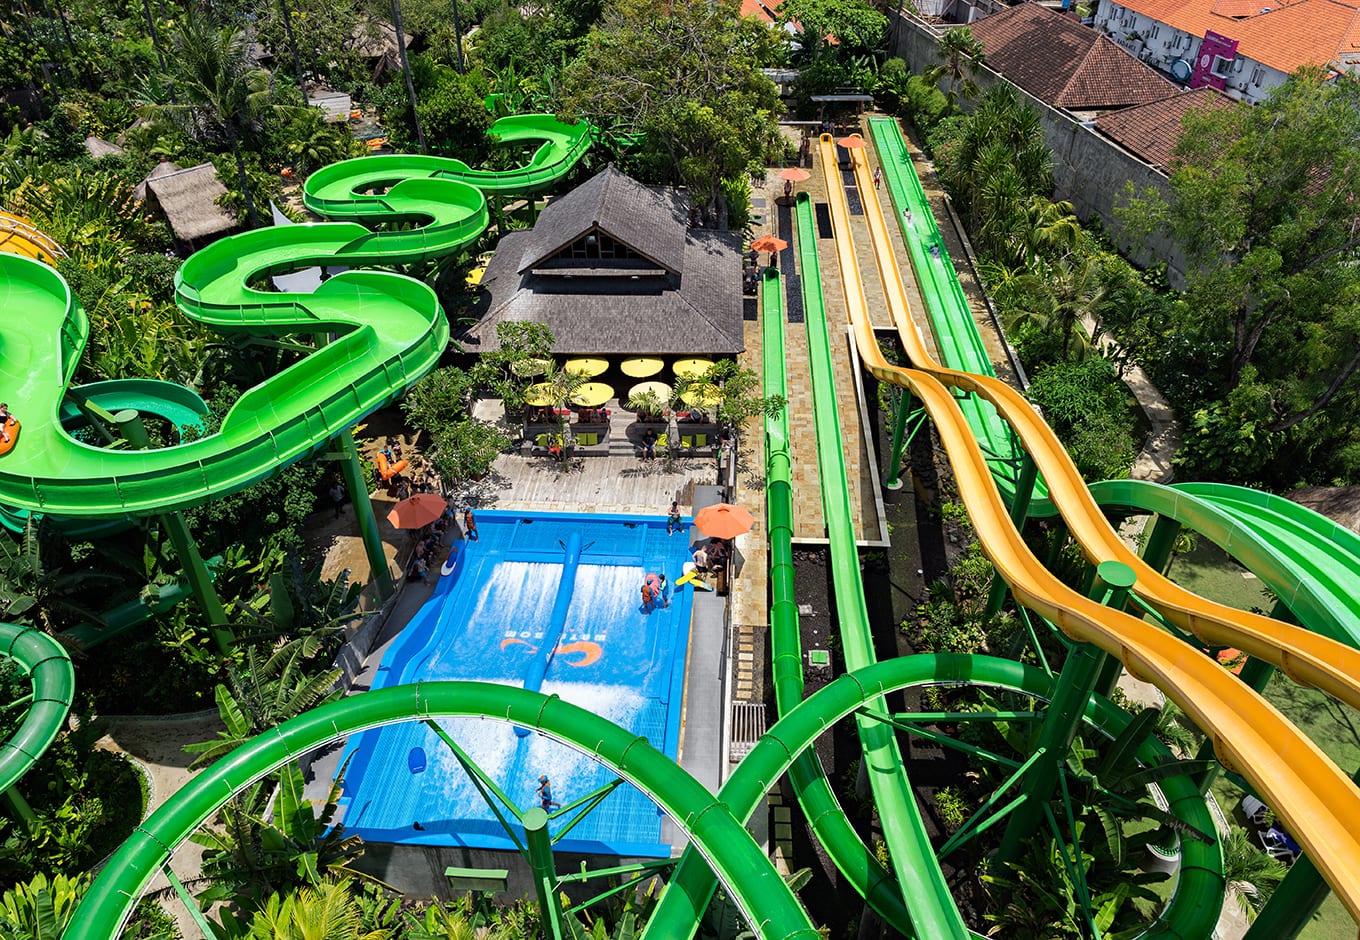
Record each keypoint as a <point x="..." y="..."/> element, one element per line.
<point x="612" y="267"/>
<point x="189" y="200"/>
<point x="98" y="148"/>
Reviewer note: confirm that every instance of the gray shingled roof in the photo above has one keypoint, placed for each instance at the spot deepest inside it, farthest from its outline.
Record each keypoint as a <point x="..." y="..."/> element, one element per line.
<point x="650" y="221"/>
<point x="695" y="310"/>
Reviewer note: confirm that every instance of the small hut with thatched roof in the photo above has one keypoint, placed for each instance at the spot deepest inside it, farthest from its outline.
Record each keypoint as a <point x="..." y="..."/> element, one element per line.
<point x="188" y="198"/>
<point x="98" y="148"/>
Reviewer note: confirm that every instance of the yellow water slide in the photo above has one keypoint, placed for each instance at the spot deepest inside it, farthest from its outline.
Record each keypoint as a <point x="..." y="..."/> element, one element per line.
<point x="18" y="236"/>
<point x="1318" y="801"/>
<point x="1307" y="658"/>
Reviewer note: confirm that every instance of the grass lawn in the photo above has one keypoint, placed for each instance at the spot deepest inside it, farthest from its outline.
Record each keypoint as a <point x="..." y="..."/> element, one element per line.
<point x="1209" y="573"/>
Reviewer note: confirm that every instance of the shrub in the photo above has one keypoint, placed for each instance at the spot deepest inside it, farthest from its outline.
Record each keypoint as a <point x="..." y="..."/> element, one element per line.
<point x="1088" y="406"/>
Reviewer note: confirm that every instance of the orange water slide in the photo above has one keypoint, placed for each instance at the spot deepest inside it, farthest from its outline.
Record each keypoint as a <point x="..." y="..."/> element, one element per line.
<point x="1318" y="801"/>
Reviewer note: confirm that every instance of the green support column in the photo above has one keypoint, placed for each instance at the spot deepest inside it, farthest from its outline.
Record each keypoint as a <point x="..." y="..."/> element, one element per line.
<point x="21" y="807"/>
<point x="899" y="444"/>
<point x="130" y="425"/>
<point x="353" y="471"/>
<point x="1056" y="546"/>
<point x="539" y="845"/>
<point x="200" y="578"/>
<point x="1065" y="711"/>
<point x="1160" y="542"/>
<point x="1024" y="491"/>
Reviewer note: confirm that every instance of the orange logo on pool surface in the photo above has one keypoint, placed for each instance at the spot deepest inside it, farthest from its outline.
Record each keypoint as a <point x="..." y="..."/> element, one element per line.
<point x="590" y="651"/>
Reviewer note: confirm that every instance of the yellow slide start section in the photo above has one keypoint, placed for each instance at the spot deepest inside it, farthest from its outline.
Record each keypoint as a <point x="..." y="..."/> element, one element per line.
<point x="18" y="236"/>
<point x="1320" y="804"/>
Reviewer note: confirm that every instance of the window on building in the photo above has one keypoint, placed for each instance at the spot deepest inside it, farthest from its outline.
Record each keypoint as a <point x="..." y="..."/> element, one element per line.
<point x="1222" y="66"/>
<point x="1156" y="31"/>
<point x="1256" y="75"/>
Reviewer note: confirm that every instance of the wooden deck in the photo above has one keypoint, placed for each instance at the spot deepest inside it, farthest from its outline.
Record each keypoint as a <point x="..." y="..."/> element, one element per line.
<point x="594" y="484"/>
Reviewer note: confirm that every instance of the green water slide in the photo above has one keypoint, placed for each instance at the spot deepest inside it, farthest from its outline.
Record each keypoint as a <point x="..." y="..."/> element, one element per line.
<point x="951" y="320"/>
<point x="341" y="190"/>
<point x="757" y="888"/>
<point x="53" y="681"/>
<point x="391" y="332"/>
<point x="931" y="905"/>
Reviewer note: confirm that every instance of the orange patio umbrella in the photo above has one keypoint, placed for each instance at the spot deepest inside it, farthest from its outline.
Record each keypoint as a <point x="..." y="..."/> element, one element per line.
<point x="853" y="142"/>
<point x="769" y="243"/>
<point x="417" y="511"/>
<point x="794" y="174"/>
<point x="723" y="521"/>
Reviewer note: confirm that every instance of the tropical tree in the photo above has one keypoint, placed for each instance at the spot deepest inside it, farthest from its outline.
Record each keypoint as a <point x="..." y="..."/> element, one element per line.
<point x="37" y="589"/>
<point x="42" y="908"/>
<point x="1070" y="293"/>
<point x="996" y="156"/>
<point x="262" y="693"/>
<point x="1023" y="231"/>
<point x="961" y="53"/>
<point x="220" y="96"/>
<point x="326" y="911"/>
<point x="1251" y="873"/>
<point x="688" y="83"/>
<point x="853" y="25"/>
<point x="277" y="845"/>
<point x="1262" y="201"/>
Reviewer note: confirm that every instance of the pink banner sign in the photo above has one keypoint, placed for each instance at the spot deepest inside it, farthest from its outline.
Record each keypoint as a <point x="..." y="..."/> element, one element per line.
<point x="1216" y="54"/>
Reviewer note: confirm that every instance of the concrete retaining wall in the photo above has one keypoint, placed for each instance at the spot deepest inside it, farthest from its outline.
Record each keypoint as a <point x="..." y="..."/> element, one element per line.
<point x="1089" y="170"/>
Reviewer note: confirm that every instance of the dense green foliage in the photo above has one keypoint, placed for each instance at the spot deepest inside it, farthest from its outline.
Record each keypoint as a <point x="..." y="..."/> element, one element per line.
<point x="1090" y="408"/>
<point x="1262" y="202"/>
<point x="688" y="84"/>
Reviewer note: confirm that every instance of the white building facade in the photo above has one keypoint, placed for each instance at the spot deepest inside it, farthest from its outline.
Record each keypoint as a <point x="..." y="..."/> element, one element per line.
<point x="1213" y="58"/>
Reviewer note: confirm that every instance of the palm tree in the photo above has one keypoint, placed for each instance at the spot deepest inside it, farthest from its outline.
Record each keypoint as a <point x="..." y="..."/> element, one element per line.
<point x="1250" y="872"/>
<point x="1023" y="231"/>
<point x="961" y="52"/>
<point x="1068" y="293"/>
<point x="221" y="96"/>
<point x="406" y="73"/>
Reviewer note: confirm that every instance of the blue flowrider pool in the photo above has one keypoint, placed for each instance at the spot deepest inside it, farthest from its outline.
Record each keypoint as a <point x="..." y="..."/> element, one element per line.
<point x="542" y="600"/>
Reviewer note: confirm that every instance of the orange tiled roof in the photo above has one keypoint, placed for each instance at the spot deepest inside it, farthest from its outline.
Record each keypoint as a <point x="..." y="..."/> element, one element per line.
<point x="1151" y="130"/>
<point x="757" y="9"/>
<point x="1286" y="36"/>
<point x="1061" y="62"/>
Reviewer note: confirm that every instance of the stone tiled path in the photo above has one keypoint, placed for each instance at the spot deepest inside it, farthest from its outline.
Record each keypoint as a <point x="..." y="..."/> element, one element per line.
<point x="809" y="522"/>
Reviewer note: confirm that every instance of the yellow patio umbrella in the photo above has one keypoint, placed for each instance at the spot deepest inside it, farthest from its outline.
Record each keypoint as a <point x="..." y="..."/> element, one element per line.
<point x="592" y="395"/>
<point x="702" y="396"/>
<point x="586" y="367"/>
<point x="660" y="389"/>
<point x="540" y="395"/>
<point x="641" y="367"/>
<point x="695" y="368"/>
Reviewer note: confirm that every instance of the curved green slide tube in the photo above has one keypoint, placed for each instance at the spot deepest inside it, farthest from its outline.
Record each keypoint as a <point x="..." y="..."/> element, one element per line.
<point x="1308" y="561"/>
<point x="336" y="191"/>
<point x="392" y="332"/>
<point x="765" y="900"/>
<point x="1191" y="912"/>
<point x="54" y="683"/>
